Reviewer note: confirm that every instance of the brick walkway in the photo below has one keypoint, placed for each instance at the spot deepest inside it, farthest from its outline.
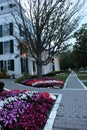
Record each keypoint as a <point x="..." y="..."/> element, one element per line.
<point x="72" y="112"/>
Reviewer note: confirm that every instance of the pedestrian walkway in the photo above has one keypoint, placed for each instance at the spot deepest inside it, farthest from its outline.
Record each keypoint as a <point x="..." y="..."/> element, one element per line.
<point x="72" y="112"/>
<point x="73" y="82"/>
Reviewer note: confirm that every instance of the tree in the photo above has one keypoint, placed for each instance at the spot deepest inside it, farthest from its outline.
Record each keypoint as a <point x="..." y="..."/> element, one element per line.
<point x="80" y="47"/>
<point x="66" y="60"/>
<point x="49" y="24"/>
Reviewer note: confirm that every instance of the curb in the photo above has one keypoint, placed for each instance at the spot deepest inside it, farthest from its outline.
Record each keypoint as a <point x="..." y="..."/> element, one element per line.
<point x="52" y="116"/>
<point x="66" y="82"/>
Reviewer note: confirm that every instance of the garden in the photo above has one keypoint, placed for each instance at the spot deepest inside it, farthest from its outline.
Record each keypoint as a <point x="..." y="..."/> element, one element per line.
<point x="54" y="79"/>
<point x="24" y="110"/>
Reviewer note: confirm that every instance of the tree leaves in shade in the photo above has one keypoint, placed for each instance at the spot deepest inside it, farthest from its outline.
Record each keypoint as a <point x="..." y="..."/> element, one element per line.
<point x="80" y="47"/>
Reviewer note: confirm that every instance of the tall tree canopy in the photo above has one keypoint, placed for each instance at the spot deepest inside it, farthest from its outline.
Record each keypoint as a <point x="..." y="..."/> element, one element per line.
<point x="51" y="24"/>
<point x="80" y="47"/>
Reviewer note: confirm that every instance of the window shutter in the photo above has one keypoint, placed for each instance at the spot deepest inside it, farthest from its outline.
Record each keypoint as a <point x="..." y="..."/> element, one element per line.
<point x="11" y="46"/>
<point x="11" y="28"/>
<point x="22" y="65"/>
<point x="21" y="33"/>
<point x="1" y="7"/>
<point x="1" y="64"/>
<point x="0" y="30"/>
<point x="10" y="5"/>
<point x="12" y="64"/>
<point x="1" y="48"/>
<point x="27" y="65"/>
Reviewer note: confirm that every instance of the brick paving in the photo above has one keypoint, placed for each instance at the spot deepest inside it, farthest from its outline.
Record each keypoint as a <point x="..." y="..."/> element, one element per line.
<point x="72" y="112"/>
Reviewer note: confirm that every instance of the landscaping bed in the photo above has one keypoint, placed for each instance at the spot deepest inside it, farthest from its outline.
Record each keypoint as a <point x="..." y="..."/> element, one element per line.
<point x="24" y="110"/>
<point x="44" y="82"/>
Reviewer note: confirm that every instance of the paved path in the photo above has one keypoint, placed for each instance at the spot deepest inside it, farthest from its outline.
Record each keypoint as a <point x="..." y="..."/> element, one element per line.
<point x="72" y="112"/>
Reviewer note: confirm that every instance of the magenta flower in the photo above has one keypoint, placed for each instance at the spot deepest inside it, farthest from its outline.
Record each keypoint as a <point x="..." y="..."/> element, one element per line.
<point x="23" y="110"/>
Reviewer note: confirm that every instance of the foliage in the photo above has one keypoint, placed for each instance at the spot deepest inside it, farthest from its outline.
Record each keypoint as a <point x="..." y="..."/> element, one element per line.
<point x="3" y="74"/>
<point x="53" y="73"/>
<point x="66" y="60"/>
<point x="51" y="23"/>
<point x="80" y="47"/>
<point x="25" y="76"/>
<point x="24" y="110"/>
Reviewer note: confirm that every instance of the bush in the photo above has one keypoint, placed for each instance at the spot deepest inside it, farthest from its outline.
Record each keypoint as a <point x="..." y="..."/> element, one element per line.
<point x="25" y="76"/>
<point x="3" y="74"/>
<point x="53" y="73"/>
<point x="1" y="86"/>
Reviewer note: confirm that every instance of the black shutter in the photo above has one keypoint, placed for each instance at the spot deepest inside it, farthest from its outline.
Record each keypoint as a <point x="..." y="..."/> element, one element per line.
<point x="1" y="47"/>
<point x="0" y="30"/>
<point x="22" y="65"/>
<point x="12" y="65"/>
<point x="21" y="32"/>
<point x="11" y="28"/>
<point x="27" y="65"/>
<point x="11" y="46"/>
<point x="1" y="64"/>
<point x="10" y="5"/>
<point x="1" y="7"/>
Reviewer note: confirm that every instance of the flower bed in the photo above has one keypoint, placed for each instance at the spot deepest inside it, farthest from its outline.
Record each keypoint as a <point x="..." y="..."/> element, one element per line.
<point x="45" y="82"/>
<point x="24" y="110"/>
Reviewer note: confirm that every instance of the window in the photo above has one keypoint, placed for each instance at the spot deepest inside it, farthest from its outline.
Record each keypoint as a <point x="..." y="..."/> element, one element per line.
<point x="12" y="5"/>
<point x="7" y="65"/>
<point x="6" y="47"/>
<point x="5" y="29"/>
<point x="21" y="32"/>
<point x="6" y="7"/>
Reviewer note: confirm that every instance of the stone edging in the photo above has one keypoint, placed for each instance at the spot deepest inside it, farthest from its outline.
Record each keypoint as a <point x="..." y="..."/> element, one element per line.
<point x="51" y="118"/>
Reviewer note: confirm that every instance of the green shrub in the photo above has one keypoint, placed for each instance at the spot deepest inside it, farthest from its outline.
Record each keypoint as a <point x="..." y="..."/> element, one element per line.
<point x="25" y="76"/>
<point x="53" y="73"/>
<point x="1" y="86"/>
<point x="3" y="74"/>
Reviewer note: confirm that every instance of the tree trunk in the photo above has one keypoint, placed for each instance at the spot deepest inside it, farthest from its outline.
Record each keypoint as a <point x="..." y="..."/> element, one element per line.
<point x="39" y="66"/>
<point x="39" y="70"/>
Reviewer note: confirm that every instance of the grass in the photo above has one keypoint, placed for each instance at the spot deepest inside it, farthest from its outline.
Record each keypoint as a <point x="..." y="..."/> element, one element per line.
<point x="82" y="76"/>
<point x="62" y="76"/>
<point x="85" y="83"/>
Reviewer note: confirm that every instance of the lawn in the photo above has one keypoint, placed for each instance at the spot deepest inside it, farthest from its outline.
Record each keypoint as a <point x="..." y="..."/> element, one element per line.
<point x="82" y="76"/>
<point x="62" y="76"/>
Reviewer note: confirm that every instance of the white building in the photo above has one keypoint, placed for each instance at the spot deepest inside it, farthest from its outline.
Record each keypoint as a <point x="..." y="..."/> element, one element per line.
<point x="9" y="45"/>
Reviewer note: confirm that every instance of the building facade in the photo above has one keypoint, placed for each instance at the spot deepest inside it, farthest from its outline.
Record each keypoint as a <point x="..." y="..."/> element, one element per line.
<point x="9" y="46"/>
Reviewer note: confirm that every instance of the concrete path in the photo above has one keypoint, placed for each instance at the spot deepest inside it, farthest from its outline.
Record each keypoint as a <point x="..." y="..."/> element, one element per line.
<point x="72" y="112"/>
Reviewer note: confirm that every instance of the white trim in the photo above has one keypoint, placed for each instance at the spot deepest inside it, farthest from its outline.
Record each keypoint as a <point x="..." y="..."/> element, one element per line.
<point x="51" y="118"/>
<point x="66" y="81"/>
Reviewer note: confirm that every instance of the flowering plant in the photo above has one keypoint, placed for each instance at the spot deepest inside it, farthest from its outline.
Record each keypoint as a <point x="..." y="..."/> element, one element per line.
<point x="24" y="110"/>
<point x="45" y="82"/>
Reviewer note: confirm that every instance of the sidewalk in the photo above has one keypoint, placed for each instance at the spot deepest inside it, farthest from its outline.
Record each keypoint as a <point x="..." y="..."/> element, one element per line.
<point x="72" y="112"/>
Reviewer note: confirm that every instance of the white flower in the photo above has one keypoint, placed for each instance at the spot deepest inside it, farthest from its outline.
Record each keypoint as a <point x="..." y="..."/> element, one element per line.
<point x="53" y="96"/>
